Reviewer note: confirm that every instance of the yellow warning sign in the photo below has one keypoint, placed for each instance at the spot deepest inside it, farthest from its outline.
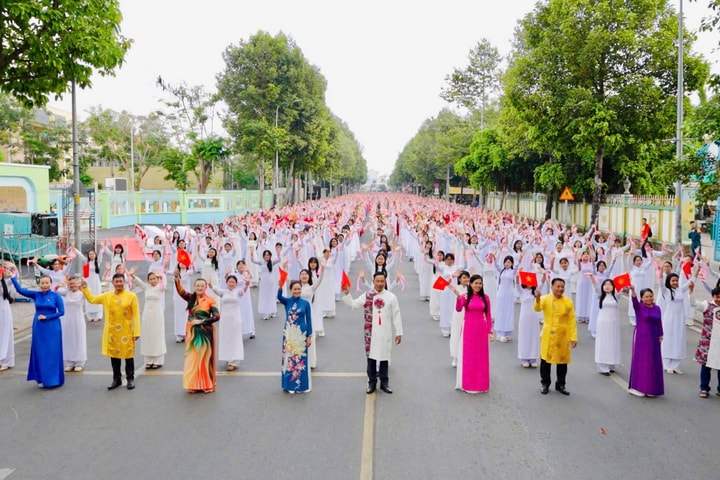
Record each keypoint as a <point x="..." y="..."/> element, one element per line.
<point x="567" y="195"/>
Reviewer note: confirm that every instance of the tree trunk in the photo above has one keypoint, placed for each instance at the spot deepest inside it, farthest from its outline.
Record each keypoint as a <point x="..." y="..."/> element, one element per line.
<point x="597" y="188"/>
<point x="261" y="180"/>
<point x="203" y="180"/>
<point x="290" y="189"/>
<point x="550" y="196"/>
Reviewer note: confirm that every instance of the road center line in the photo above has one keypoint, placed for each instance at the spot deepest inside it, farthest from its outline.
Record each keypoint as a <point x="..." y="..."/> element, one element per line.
<point x="366" y="457"/>
<point x="5" y="472"/>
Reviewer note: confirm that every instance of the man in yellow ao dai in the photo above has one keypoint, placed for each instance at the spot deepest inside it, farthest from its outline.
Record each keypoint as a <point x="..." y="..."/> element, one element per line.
<point x="121" y="330"/>
<point x="559" y="334"/>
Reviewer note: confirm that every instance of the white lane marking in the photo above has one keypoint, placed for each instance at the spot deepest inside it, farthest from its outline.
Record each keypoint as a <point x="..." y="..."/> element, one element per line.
<point x="21" y="339"/>
<point x="617" y="379"/>
<point x="366" y="457"/>
<point x="5" y="472"/>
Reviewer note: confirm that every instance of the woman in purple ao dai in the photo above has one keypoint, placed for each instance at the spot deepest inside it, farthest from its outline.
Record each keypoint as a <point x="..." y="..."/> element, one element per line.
<point x="473" y="365"/>
<point x="646" y="369"/>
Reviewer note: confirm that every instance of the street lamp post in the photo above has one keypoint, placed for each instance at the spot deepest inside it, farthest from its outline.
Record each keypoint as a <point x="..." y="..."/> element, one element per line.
<point x="276" y="168"/>
<point x="132" y="156"/>
<point x="678" y="127"/>
<point x="76" y="175"/>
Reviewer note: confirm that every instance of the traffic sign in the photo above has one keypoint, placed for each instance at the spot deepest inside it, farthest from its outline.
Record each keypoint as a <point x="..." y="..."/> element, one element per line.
<point x="566" y="195"/>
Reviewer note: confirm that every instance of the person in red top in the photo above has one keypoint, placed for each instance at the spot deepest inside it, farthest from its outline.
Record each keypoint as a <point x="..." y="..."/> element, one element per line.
<point x="645" y="234"/>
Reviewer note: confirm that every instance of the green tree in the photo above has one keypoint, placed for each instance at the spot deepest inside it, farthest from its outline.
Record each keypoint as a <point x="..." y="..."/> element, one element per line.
<point x="46" y="144"/>
<point x="12" y="116"/>
<point x="126" y="140"/>
<point x="597" y="77"/>
<point x="472" y="86"/>
<point x="46" y="44"/>
<point x="431" y="155"/>
<point x="192" y="119"/>
<point x="276" y="104"/>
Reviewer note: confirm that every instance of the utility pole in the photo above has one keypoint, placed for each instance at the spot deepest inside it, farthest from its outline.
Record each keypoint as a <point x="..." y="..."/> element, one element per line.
<point x="678" y="127"/>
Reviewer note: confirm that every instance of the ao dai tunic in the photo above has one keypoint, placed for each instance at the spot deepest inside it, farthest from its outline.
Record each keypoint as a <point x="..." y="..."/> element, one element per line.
<point x="295" y="368"/>
<point x="505" y="312"/>
<point x="608" y="339"/>
<point x="46" y="355"/>
<point x="74" y="330"/>
<point x="381" y="318"/>
<point x="230" y="346"/>
<point x="199" y="368"/>
<point x="646" y="369"/>
<point x="673" y="322"/>
<point x="708" y="349"/>
<point x="473" y="368"/>
<point x="122" y="322"/>
<point x="153" y="320"/>
<point x="93" y="312"/>
<point x="7" y="337"/>
<point x="559" y="328"/>
<point x="528" y="327"/>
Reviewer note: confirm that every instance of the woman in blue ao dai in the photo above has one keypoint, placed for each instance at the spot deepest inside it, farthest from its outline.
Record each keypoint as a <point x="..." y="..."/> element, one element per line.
<point x="297" y="338"/>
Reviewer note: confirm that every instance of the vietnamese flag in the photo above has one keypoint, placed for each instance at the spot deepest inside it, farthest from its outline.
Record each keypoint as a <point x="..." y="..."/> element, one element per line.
<point x="528" y="279"/>
<point x="183" y="258"/>
<point x="345" y="281"/>
<point x="283" y="276"/>
<point x="86" y="270"/>
<point x="621" y="281"/>
<point x="440" y="283"/>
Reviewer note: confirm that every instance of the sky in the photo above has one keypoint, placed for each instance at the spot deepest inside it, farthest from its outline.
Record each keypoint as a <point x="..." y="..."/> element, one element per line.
<point x="385" y="62"/>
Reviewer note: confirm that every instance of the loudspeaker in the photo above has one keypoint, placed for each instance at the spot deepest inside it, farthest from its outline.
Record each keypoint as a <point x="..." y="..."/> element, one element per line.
<point x="36" y="223"/>
<point x="49" y="227"/>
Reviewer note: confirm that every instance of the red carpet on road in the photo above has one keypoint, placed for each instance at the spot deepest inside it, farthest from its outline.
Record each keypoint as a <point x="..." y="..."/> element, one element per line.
<point x="133" y="252"/>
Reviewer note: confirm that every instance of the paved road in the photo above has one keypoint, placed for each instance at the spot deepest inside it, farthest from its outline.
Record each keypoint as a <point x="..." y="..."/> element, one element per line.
<point x="250" y="429"/>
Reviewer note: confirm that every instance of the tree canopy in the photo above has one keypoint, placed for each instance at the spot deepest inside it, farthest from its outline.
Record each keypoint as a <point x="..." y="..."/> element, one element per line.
<point x="47" y="43"/>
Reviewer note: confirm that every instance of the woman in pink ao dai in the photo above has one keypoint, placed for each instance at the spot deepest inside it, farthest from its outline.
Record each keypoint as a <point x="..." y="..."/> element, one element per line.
<point x="473" y="366"/>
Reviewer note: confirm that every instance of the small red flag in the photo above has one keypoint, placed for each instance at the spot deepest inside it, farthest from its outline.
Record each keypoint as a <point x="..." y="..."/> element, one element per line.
<point x="86" y="270"/>
<point x="183" y="258"/>
<point x="283" y="276"/>
<point x="345" y="281"/>
<point x="440" y="283"/>
<point x="528" y="279"/>
<point x="2" y="272"/>
<point x="621" y="281"/>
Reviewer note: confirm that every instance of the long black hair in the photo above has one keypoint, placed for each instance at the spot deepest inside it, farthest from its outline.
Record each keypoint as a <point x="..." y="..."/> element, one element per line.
<point x="214" y="260"/>
<point x="316" y="270"/>
<point x="97" y="267"/>
<point x="306" y="270"/>
<point x="5" y="291"/>
<point x="381" y="268"/>
<point x="667" y="284"/>
<point x="512" y="267"/>
<point x="481" y="293"/>
<point x="603" y="294"/>
<point x="269" y="262"/>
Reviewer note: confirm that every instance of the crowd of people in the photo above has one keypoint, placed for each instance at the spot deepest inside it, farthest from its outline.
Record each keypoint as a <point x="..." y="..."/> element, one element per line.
<point x="472" y="267"/>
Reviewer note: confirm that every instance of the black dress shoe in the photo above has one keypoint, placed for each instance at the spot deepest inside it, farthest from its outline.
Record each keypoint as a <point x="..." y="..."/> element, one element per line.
<point x="607" y="374"/>
<point x="562" y="390"/>
<point x="115" y="383"/>
<point x="371" y="389"/>
<point x="130" y="383"/>
<point x="545" y="389"/>
<point x="385" y="389"/>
